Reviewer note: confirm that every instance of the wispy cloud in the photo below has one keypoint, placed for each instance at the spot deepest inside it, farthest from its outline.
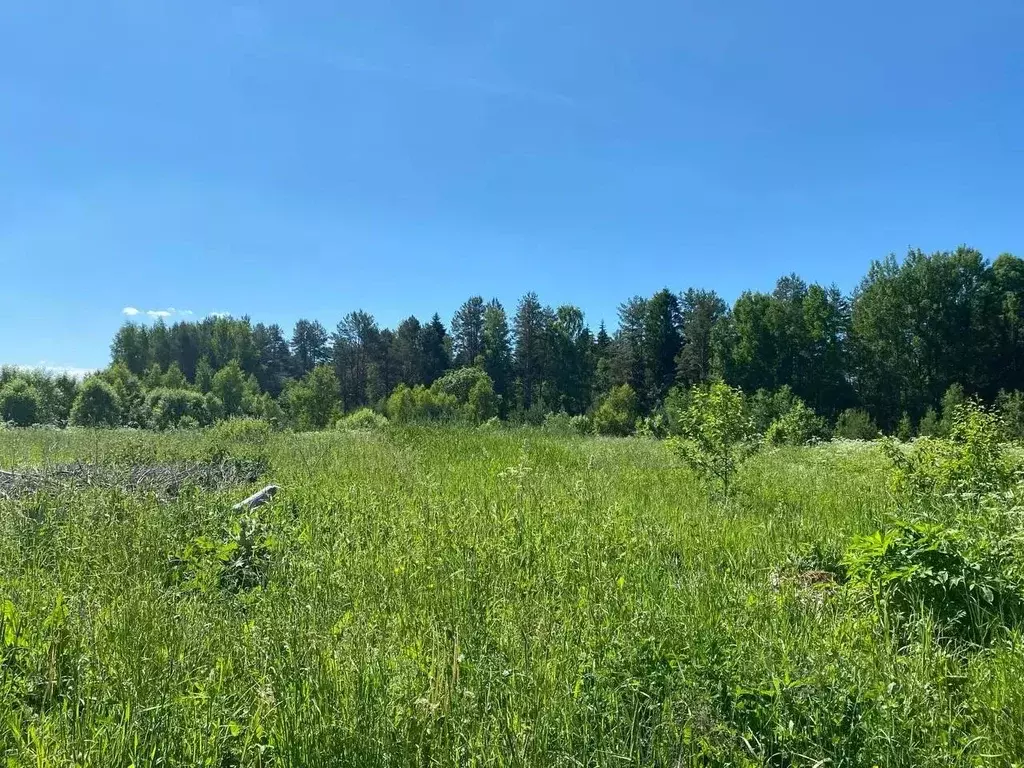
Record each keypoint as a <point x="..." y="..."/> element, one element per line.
<point x="158" y="314"/>
<point x="130" y="311"/>
<point x="186" y="312"/>
<point x="219" y="314"/>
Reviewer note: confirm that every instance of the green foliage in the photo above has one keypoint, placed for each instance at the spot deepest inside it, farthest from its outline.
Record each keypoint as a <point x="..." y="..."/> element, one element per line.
<point x="716" y="433"/>
<point x="970" y="463"/>
<point x="929" y="426"/>
<point x="482" y="402"/>
<point x="967" y="585"/>
<point x="172" y="408"/>
<point x="313" y="403"/>
<point x="797" y="426"/>
<point x="130" y="395"/>
<point x="204" y="375"/>
<point x="263" y="407"/>
<point x="244" y="443"/>
<point x="1010" y="406"/>
<point x="653" y="426"/>
<point x="97" y="405"/>
<point x="529" y="599"/>
<point x="229" y="387"/>
<point x="401" y="405"/>
<point x="766" y="407"/>
<point x="953" y="556"/>
<point x="952" y="400"/>
<point x="905" y="429"/>
<point x="19" y="403"/>
<point x="173" y="378"/>
<point x="617" y="413"/>
<point x="558" y="424"/>
<point x="365" y="419"/>
<point x="855" y="424"/>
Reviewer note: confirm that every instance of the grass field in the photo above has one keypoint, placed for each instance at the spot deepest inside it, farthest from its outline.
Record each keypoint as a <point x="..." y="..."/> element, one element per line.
<point x="468" y="598"/>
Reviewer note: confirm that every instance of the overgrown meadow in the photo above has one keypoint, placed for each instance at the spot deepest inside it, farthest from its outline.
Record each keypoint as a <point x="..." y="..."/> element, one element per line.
<point x="465" y="597"/>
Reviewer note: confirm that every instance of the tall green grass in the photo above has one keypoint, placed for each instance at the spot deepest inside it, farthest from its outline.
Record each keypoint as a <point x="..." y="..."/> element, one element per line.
<point x="470" y="598"/>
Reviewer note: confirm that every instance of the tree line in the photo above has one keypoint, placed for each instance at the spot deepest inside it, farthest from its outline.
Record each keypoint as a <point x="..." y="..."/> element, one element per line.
<point x="912" y="329"/>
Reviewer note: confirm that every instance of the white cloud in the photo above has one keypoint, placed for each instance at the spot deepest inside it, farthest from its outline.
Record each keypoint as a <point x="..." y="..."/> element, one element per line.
<point x="158" y="313"/>
<point x="130" y="311"/>
<point x="219" y="314"/>
<point x="186" y="312"/>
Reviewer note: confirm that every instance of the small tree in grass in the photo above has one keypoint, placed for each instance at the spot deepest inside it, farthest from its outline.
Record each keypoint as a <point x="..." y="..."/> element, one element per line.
<point x="716" y="433"/>
<point x="96" y="405"/>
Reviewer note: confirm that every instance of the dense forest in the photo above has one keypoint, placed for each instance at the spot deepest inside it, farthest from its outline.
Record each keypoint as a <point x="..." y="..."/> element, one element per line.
<point x="917" y="330"/>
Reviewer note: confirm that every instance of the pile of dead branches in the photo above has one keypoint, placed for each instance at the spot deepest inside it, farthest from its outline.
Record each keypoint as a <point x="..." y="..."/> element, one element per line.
<point x="165" y="480"/>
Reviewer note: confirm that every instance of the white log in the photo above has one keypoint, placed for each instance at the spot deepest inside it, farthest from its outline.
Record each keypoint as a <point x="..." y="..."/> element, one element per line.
<point x="258" y="499"/>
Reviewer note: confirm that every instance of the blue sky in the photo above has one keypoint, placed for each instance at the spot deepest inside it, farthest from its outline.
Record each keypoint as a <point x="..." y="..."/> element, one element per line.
<point x="303" y="159"/>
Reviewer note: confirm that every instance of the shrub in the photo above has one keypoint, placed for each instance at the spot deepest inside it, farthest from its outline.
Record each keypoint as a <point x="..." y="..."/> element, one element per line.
<point x="482" y="403"/>
<point x="951" y="402"/>
<point x="460" y="382"/>
<point x="365" y="419"/>
<point x="130" y="395"/>
<point x="559" y="424"/>
<point x="262" y="407"/>
<point x="313" y="402"/>
<point x="653" y="426"/>
<point x="855" y="424"/>
<point x="171" y="408"/>
<point x="904" y="430"/>
<point x="929" y="426"/>
<point x="245" y="443"/>
<point x="717" y="433"/>
<point x="401" y="405"/>
<point x="959" y="469"/>
<point x="766" y="407"/>
<point x="1010" y="406"/>
<point x="676" y="401"/>
<point x="797" y="426"/>
<point x="19" y="403"/>
<point x="962" y="581"/>
<point x="97" y="405"/>
<point x="616" y="416"/>
<point x="952" y="555"/>
<point x="229" y="386"/>
<point x="582" y="424"/>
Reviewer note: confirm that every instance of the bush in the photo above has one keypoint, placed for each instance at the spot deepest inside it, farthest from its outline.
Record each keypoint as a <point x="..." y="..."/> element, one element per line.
<point x="766" y="407"/>
<point x="616" y="416"/>
<point x="952" y="555"/>
<point x="960" y="581"/>
<point x="401" y="405"/>
<point x="929" y="426"/>
<point x="97" y="405"/>
<point x="245" y="443"/>
<point x="904" y="430"/>
<point x="19" y="403"/>
<point x="365" y="419"/>
<point x="460" y="382"/>
<point x="170" y="408"/>
<point x="559" y="424"/>
<point x="855" y="424"/>
<point x="1010" y="406"/>
<point x="959" y="469"/>
<point x="582" y="424"/>
<point x="482" y="403"/>
<point x="313" y="402"/>
<point x="798" y="426"/>
<point x="951" y="402"/>
<point x="717" y="433"/>
<point x="653" y="426"/>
